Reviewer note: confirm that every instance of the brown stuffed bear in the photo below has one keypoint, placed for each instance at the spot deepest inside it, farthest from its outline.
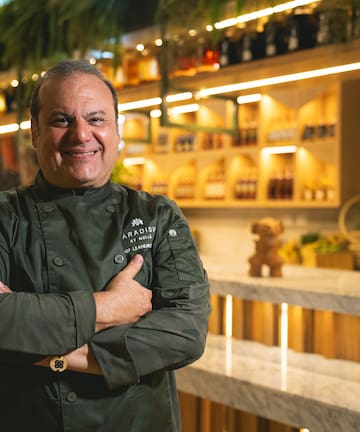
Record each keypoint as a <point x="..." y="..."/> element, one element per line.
<point x="267" y="247"/>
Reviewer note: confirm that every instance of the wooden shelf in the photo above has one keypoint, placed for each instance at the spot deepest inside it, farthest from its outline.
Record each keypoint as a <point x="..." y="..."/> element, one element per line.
<point x="327" y="163"/>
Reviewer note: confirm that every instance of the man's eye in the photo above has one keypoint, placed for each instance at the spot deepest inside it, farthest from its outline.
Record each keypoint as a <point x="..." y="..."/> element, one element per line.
<point x="96" y="120"/>
<point x="60" y="122"/>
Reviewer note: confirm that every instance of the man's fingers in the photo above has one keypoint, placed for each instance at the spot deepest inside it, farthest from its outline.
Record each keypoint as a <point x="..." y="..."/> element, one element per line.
<point x="134" y="266"/>
<point x="4" y="288"/>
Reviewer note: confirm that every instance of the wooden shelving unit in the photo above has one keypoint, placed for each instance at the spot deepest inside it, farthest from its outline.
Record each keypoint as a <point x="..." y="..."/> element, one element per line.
<point x="316" y="115"/>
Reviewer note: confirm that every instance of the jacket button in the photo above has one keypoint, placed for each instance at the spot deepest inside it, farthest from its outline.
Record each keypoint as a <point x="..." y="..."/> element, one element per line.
<point x="48" y="208"/>
<point x="58" y="261"/>
<point x="110" y="209"/>
<point x="119" y="259"/>
<point x="71" y="397"/>
<point x="172" y="233"/>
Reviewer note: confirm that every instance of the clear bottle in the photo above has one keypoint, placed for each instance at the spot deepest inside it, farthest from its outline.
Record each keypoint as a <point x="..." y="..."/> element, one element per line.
<point x="302" y="29"/>
<point x="131" y="67"/>
<point x="148" y="64"/>
<point x="228" y="52"/>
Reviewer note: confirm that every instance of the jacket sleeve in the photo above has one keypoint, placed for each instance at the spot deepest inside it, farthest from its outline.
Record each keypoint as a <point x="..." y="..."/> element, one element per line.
<point x="38" y="325"/>
<point x="174" y="333"/>
<point x="35" y="325"/>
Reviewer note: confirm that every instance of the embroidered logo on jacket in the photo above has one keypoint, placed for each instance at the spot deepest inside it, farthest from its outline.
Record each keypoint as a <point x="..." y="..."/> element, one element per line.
<point x="137" y="222"/>
<point x="139" y="236"/>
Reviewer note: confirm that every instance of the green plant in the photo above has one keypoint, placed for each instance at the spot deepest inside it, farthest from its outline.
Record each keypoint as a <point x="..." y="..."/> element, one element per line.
<point x="36" y="34"/>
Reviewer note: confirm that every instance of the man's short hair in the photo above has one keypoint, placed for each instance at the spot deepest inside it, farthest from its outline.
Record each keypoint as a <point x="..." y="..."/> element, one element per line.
<point x="64" y="69"/>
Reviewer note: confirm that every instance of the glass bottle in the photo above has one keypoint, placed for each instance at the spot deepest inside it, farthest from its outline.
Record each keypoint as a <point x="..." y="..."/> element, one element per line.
<point x="148" y="64"/>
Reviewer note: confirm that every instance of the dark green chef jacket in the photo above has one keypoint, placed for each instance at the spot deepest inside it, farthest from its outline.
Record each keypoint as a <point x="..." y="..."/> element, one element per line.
<point x="59" y="246"/>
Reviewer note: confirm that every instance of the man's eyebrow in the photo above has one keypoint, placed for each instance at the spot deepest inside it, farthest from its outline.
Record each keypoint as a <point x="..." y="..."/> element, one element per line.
<point x="96" y="112"/>
<point x="59" y="112"/>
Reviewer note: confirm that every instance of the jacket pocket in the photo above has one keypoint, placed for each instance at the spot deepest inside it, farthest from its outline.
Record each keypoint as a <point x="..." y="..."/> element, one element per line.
<point x="185" y="255"/>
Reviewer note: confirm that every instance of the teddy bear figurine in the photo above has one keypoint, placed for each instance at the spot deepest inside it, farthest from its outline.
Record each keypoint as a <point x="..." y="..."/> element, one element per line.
<point x="267" y="247"/>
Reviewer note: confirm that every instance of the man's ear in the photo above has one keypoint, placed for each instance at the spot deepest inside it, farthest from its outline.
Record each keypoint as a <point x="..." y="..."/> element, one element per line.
<point x="34" y="133"/>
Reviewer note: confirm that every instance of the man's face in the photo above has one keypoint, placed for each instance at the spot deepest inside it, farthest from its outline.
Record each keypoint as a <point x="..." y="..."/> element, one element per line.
<point x="76" y="136"/>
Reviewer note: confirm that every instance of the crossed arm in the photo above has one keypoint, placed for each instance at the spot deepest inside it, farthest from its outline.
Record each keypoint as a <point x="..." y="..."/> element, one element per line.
<point x="123" y="302"/>
<point x="172" y="335"/>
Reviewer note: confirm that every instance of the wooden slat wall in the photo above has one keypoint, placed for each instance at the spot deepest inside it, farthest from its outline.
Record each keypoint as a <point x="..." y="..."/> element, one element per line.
<point x="323" y="332"/>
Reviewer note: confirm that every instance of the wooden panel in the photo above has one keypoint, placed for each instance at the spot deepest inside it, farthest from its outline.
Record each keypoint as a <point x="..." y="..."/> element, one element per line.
<point x="238" y="318"/>
<point x="300" y="329"/>
<point x="347" y="337"/>
<point x="217" y="314"/>
<point x="324" y="333"/>
<point x="202" y="415"/>
<point x="189" y="409"/>
<point x="264" y="322"/>
<point x="278" y="427"/>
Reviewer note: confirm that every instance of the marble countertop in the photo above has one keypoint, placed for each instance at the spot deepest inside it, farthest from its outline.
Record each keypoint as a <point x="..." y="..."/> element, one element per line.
<point x="313" y="288"/>
<point x="302" y="390"/>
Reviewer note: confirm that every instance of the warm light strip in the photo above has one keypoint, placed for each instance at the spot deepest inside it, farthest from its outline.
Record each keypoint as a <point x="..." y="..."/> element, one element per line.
<point x="262" y="13"/>
<point x="316" y="73"/>
<point x="11" y="127"/>
<point x="228" y="316"/>
<point x="228" y="332"/>
<point x="134" y="161"/>
<point x="292" y="5"/>
<point x="256" y="97"/>
<point x="179" y="97"/>
<point x="284" y="343"/>
<point x="14" y="127"/>
<point x="280" y="149"/>
<point x="255" y="15"/>
<point x="226" y="23"/>
<point x="25" y="125"/>
<point x="155" y="113"/>
<point x="144" y="103"/>
<point x="182" y="109"/>
<point x="284" y="328"/>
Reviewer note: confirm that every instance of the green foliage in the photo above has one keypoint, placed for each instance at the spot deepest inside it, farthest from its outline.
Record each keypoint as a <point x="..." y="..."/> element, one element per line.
<point x="36" y="34"/>
<point x="120" y="173"/>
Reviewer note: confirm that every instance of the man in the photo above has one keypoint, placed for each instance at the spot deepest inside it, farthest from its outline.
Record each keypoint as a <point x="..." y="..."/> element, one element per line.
<point x="103" y="293"/>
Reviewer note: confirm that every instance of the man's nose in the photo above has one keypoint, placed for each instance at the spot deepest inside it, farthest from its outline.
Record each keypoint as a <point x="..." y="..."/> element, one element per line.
<point x="81" y="130"/>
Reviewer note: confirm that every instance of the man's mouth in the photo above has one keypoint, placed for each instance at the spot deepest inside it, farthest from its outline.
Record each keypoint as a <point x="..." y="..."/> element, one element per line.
<point x="76" y="153"/>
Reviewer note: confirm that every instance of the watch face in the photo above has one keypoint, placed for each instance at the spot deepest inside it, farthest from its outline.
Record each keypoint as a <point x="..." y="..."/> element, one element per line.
<point x="58" y="364"/>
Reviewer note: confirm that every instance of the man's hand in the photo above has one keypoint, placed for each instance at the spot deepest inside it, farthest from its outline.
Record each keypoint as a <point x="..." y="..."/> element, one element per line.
<point x="4" y="288"/>
<point x="124" y="301"/>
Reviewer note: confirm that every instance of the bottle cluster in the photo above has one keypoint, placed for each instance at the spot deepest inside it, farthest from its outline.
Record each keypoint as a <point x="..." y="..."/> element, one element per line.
<point x="281" y="185"/>
<point x="322" y="130"/>
<point x="190" y="53"/>
<point x="246" y="186"/>
<point x="247" y="135"/>
<point x="159" y="187"/>
<point x="185" y="188"/>
<point x="185" y="142"/>
<point x="215" y="186"/>
<point x="319" y="191"/>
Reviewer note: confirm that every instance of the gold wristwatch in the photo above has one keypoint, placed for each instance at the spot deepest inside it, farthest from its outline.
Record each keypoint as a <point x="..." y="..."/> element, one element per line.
<point x="58" y="363"/>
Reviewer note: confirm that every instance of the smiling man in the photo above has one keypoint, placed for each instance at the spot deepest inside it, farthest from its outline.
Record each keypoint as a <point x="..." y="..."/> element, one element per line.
<point x="102" y="292"/>
<point x="76" y="137"/>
